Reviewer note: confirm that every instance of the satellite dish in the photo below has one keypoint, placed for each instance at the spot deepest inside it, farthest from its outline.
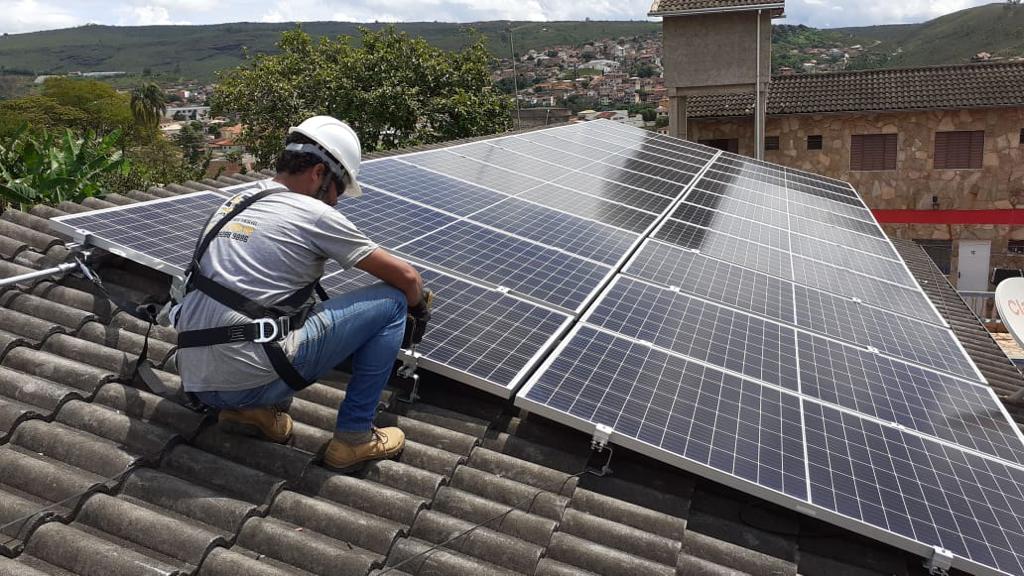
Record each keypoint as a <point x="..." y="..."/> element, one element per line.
<point x="1010" y="304"/>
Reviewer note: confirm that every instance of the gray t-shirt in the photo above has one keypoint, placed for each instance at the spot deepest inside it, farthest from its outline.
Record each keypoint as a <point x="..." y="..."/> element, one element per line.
<point x="273" y="248"/>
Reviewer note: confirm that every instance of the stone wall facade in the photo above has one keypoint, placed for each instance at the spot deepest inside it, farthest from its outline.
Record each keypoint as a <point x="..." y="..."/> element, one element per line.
<point x="999" y="184"/>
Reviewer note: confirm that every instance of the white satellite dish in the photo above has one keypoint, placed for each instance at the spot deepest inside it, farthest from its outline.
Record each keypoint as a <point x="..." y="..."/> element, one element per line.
<point x="1010" y="304"/>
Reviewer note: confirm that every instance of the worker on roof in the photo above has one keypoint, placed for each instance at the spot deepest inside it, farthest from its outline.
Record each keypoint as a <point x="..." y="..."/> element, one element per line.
<point x="250" y="335"/>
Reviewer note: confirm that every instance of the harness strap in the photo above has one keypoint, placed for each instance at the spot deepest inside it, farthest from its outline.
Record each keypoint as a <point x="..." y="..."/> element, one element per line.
<point x="254" y="331"/>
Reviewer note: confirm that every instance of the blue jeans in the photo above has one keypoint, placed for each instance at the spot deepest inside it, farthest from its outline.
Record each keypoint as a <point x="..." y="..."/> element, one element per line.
<point x="366" y="324"/>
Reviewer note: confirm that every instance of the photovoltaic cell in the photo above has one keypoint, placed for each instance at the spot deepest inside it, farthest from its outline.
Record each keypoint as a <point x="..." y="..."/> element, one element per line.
<point x="922" y="400"/>
<point x="692" y="411"/>
<point x="899" y="299"/>
<point x="755" y="212"/>
<point x="495" y="257"/>
<point x="511" y="161"/>
<point x="670" y="188"/>
<point x="630" y="160"/>
<point x="712" y="279"/>
<point x="916" y="487"/>
<point x="725" y="247"/>
<point x="727" y="224"/>
<point x="580" y="236"/>
<point x="773" y="201"/>
<point x="389" y="220"/>
<point x="614" y="192"/>
<point x="892" y="334"/>
<point x="571" y="159"/>
<point x="839" y="255"/>
<point x="855" y="224"/>
<point x="843" y="237"/>
<point x="473" y="171"/>
<point x="492" y="336"/>
<point x="725" y="338"/>
<point x="426" y="187"/>
<point x="611" y="213"/>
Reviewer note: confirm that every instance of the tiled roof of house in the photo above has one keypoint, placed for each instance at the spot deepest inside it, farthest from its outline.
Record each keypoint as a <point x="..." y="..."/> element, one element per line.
<point x="936" y="87"/>
<point x="135" y="483"/>
<point x="681" y="7"/>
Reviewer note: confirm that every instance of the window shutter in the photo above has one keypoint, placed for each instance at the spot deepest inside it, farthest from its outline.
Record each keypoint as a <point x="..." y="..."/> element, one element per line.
<point x="873" y="152"/>
<point x="960" y="149"/>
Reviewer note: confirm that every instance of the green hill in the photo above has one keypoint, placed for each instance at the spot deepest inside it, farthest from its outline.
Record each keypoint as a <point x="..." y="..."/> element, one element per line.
<point x="198" y="51"/>
<point x="951" y="39"/>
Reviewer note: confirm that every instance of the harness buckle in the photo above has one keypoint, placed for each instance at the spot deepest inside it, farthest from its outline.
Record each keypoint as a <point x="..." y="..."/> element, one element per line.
<point x="265" y="324"/>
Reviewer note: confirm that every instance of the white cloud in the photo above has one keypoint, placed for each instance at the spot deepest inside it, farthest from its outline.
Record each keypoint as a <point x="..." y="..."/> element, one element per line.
<point x="869" y="12"/>
<point x="30" y="15"/>
<point x="147" y="15"/>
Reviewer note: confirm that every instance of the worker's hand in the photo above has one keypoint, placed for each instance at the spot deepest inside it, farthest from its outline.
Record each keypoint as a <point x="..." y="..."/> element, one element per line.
<point x="416" y="321"/>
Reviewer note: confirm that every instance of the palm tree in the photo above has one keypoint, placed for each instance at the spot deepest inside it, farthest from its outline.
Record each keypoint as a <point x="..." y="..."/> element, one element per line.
<point x="148" y="105"/>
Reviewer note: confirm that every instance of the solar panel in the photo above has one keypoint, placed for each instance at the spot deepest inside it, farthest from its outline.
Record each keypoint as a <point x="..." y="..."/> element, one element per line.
<point x="426" y="187"/>
<point x="698" y="329"/>
<point x="478" y="335"/>
<point x="472" y="171"/>
<point x="515" y="264"/>
<point x="675" y="409"/>
<point x="579" y="236"/>
<point x="587" y="206"/>
<point x="392" y="221"/>
<point x="131" y="230"/>
<point x="724" y="247"/>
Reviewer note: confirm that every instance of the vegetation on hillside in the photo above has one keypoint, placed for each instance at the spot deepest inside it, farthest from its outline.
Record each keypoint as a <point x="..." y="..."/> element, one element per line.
<point x="197" y="52"/>
<point x="789" y="41"/>
<point x="394" y="89"/>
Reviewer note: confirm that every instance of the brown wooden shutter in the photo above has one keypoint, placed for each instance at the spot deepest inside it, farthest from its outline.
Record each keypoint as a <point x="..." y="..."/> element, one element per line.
<point x="960" y="149"/>
<point x="873" y="152"/>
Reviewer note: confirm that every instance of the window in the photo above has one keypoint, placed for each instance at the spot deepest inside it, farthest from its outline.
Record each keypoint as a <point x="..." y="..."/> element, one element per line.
<point x="814" y="142"/>
<point x="771" y="142"/>
<point x="1015" y="247"/>
<point x="1022" y="135"/>
<point x="940" y="252"/>
<point x="873" y="152"/>
<point x="727" y="144"/>
<point x="963" y="149"/>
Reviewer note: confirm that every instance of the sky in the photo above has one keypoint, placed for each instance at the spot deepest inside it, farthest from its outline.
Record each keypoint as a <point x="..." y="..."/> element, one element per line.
<point x="19" y="16"/>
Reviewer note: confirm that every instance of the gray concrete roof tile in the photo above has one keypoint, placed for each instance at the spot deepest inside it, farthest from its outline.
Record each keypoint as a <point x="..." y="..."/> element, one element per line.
<point x="95" y="203"/>
<point x="57" y="368"/>
<point x="363" y="494"/>
<point x="209" y="507"/>
<point x="41" y="241"/>
<point x="125" y="341"/>
<point x="67" y="316"/>
<point x="631" y="540"/>
<point x="118" y="199"/>
<point x="82" y="553"/>
<point x="139" y="196"/>
<point x="413" y="556"/>
<point x="483" y="543"/>
<point x="110" y="359"/>
<point x="305" y="549"/>
<point x="343" y="523"/>
<point x="497" y="516"/>
<point x="159" y="192"/>
<point x="27" y="326"/>
<point x="604" y="560"/>
<point x="510" y="492"/>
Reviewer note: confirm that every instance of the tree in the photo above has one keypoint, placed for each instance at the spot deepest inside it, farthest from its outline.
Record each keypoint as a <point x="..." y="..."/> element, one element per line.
<point x="39" y="112"/>
<point x="393" y="89"/>
<point x="649" y="114"/>
<point x="105" y="109"/>
<point x="148" y="105"/>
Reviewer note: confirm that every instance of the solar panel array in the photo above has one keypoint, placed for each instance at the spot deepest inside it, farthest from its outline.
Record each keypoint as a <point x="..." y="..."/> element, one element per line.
<point x="745" y="321"/>
<point x="767" y="335"/>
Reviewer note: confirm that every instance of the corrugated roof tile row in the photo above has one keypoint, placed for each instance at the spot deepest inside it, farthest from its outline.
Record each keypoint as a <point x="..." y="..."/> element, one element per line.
<point x="671" y="7"/>
<point x="135" y="483"/>
<point x="932" y="87"/>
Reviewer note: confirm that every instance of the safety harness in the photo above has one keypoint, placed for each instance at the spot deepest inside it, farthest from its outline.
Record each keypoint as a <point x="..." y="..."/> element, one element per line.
<point x="269" y="324"/>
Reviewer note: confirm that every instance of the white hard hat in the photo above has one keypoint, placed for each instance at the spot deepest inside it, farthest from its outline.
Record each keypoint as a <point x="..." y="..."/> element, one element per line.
<point x="339" y="140"/>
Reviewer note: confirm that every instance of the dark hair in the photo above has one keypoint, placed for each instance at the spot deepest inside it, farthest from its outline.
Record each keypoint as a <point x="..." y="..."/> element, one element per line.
<point x="296" y="162"/>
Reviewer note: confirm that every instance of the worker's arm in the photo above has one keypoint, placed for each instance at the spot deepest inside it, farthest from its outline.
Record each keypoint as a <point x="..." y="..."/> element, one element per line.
<point x="394" y="271"/>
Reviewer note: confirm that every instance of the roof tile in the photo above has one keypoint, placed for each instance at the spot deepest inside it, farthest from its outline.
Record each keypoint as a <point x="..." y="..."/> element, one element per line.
<point x="670" y="7"/>
<point x="931" y="87"/>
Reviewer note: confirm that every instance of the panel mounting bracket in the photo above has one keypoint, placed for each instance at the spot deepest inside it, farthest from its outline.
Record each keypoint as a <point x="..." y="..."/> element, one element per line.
<point x="940" y="562"/>
<point x="599" y="445"/>
<point x="407" y="370"/>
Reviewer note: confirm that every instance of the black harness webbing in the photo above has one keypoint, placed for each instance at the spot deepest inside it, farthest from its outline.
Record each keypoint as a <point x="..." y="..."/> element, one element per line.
<point x="270" y="325"/>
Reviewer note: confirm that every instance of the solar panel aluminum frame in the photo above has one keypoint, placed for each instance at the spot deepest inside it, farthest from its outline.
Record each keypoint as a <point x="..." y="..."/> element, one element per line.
<point x="789" y="502"/>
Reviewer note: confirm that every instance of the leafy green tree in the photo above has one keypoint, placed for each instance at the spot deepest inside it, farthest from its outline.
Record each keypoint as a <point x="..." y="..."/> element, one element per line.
<point x="148" y="105"/>
<point x="106" y="110"/>
<point x="649" y="114"/>
<point x="39" y="112"/>
<point x="393" y="89"/>
<point x="53" y="167"/>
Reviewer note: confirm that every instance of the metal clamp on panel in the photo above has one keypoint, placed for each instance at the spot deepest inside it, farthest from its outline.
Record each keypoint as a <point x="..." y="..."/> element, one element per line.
<point x="599" y="445"/>
<point x="410" y="362"/>
<point x="940" y="562"/>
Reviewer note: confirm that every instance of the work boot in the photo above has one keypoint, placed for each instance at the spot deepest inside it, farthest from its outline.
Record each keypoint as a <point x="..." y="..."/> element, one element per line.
<point x="266" y="422"/>
<point x="342" y="456"/>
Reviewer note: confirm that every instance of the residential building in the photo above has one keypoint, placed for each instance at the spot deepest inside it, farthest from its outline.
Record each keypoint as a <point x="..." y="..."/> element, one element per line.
<point x="936" y="152"/>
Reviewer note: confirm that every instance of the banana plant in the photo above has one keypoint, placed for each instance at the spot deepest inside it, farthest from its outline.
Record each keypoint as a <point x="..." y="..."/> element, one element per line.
<point x="50" y="168"/>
